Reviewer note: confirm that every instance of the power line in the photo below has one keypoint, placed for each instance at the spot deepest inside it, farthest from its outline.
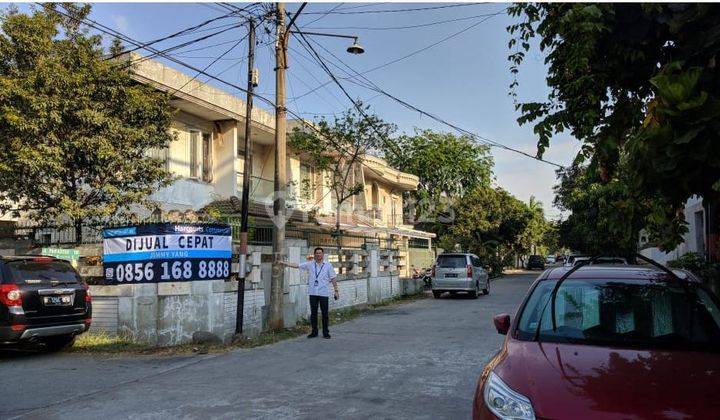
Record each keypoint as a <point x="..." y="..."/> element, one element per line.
<point x="417" y="9"/>
<point x="392" y="28"/>
<point x="363" y="5"/>
<point x="211" y="63"/>
<point x="213" y="7"/>
<point x="109" y="31"/>
<point x="117" y="34"/>
<point x="295" y="98"/>
<point x="324" y="15"/>
<point x="179" y="46"/>
<point x="423" y="49"/>
<point x="181" y="53"/>
<point x="447" y="38"/>
<point x="337" y="82"/>
<point x="182" y="32"/>
<point x="372" y="86"/>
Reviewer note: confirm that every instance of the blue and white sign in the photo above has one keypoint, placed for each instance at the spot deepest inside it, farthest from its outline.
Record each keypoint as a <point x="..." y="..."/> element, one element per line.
<point x="158" y="252"/>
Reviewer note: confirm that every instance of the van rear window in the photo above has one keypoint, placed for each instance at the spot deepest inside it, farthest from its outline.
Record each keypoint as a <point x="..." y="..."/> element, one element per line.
<point x="22" y="272"/>
<point x="452" y="261"/>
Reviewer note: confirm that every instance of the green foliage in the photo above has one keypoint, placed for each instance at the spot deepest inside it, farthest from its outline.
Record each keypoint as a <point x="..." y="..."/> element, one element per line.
<point x="532" y="238"/>
<point x="637" y="85"/>
<point x="698" y="265"/>
<point x="448" y="166"/>
<point x="606" y="218"/>
<point x="336" y="147"/>
<point x="75" y="129"/>
<point x="490" y="223"/>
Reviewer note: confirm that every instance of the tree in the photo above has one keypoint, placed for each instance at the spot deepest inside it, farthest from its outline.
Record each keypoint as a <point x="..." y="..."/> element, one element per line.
<point x="489" y="222"/>
<point x="76" y="129"/>
<point x="606" y="218"/>
<point x="448" y="166"/>
<point x="636" y="83"/>
<point x="337" y="148"/>
<point x="532" y="237"/>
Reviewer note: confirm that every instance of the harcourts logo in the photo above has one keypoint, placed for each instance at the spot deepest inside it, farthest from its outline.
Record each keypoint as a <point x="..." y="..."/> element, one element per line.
<point x="188" y="229"/>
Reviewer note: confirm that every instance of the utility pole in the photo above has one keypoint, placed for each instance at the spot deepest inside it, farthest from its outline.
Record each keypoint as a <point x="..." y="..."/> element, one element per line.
<point x="247" y="170"/>
<point x="277" y="283"/>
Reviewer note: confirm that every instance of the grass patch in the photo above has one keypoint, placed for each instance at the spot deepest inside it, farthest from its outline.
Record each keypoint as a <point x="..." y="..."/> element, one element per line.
<point x="104" y="343"/>
<point x="100" y="343"/>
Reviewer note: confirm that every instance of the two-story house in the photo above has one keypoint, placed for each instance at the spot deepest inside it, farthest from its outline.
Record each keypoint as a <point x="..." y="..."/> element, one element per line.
<point x="207" y="158"/>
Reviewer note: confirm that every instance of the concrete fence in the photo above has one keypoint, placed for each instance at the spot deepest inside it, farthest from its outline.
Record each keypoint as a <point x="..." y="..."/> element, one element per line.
<point x="169" y="313"/>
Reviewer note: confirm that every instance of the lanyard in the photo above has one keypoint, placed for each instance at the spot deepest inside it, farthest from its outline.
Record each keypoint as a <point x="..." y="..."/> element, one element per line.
<point x="318" y="272"/>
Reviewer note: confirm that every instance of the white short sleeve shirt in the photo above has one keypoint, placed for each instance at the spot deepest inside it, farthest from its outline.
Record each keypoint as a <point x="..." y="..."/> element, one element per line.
<point x="319" y="277"/>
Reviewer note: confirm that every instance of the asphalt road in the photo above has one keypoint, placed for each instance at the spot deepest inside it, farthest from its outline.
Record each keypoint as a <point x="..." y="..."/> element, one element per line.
<point x="418" y="360"/>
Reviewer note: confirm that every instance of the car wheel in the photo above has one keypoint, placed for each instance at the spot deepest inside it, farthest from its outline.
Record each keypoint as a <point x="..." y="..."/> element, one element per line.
<point x="474" y="293"/>
<point x="58" y="343"/>
<point x="437" y="294"/>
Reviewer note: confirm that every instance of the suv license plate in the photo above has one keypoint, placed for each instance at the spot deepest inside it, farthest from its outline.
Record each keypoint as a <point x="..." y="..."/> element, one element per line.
<point x="451" y="275"/>
<point x="62" y="300"/>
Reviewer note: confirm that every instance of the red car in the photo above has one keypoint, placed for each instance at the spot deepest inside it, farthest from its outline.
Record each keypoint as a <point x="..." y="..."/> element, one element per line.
<point x="627" y="342"/>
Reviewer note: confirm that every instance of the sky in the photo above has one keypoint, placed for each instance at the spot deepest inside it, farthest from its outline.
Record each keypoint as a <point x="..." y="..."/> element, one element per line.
<point x="463" y="80"/>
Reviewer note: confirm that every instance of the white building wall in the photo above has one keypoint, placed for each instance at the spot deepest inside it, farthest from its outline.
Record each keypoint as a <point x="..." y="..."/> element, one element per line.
<point x="694" y="239"/>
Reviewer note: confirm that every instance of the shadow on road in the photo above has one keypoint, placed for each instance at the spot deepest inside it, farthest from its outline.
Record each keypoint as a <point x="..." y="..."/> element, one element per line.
<point x="458" y="295"/>
<point x="21" y="352"/>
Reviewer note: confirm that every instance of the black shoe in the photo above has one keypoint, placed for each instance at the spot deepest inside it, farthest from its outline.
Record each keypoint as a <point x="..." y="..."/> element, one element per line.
<point x="326" y="336"/>
<point x="312" y="335"/>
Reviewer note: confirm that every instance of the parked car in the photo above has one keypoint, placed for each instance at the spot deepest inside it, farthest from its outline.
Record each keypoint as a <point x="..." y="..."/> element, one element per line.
<point x="616" y="345"/>
<point x="535" y="262"/>
<point x="43" y="300"/>
<point x="570" y="260"/>
<point x="601" y="260"/>
<point x="459" y="272"/>
<point x="550" y="259"/>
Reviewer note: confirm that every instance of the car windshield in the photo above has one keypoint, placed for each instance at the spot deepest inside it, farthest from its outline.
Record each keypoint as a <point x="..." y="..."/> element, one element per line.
<point x="535" y="258"/>
<point x="452" y="261"/>
<point x="626" y="313"/>
<point x="25" y="271"/>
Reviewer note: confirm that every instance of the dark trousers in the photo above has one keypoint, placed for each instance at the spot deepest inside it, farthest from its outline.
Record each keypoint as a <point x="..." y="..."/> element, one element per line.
<point x="323" y="301"/>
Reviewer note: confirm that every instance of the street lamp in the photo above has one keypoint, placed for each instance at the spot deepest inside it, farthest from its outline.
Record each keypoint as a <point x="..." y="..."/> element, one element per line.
<point x="355" y="48"/>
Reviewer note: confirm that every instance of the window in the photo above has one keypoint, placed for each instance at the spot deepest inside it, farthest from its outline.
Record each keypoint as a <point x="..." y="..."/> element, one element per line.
<point x="307" y="186"/>
<point x="452" y="261"/>
<point x="628" y="313"/>
<point x="193" y="154"/>
<point x="21" y="271"/>
<point x="199" y="156"/>
<point x="206" y="157"/>
<point x="161" y="153"/>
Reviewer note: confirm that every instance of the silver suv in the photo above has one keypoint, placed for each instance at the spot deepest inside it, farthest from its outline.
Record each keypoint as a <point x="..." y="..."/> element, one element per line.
<point x="459" y="272"/>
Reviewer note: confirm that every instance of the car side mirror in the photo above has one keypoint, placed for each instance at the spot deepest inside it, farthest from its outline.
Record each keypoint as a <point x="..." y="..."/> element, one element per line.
<point x="502" y="323"/>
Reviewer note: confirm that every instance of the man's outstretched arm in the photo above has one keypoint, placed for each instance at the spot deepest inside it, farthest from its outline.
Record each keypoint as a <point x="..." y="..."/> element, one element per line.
<point x="288" y="264"/>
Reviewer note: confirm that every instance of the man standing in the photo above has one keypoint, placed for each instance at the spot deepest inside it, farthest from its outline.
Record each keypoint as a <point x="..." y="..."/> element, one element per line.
<point x="320" y="275"/>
